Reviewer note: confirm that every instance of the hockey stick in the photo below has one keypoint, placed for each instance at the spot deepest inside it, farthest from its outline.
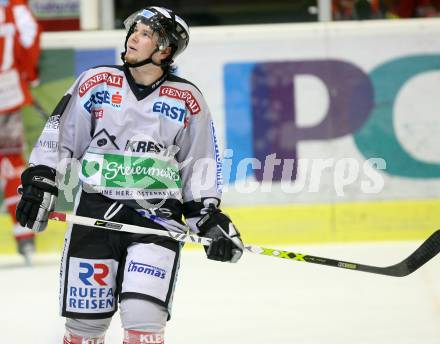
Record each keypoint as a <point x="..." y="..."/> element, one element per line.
<point x="37" y="107"/>
<point x="419" y="257"/>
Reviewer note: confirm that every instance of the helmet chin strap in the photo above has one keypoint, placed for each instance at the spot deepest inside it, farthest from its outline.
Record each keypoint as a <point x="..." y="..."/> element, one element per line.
<point x="143" y="62"/>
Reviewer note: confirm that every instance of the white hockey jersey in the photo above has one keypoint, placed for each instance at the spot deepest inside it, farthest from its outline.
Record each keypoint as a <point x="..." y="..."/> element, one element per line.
<point x="142" y="147"/>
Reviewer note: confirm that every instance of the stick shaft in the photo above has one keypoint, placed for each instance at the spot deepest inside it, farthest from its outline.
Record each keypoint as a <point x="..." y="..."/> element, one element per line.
<point x="423" y="254"/>
<point x="37" y="106"/>
<point x="123" y="227"/>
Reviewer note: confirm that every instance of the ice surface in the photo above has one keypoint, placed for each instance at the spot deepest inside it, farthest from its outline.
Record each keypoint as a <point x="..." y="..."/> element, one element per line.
<point x="259" y="300"/>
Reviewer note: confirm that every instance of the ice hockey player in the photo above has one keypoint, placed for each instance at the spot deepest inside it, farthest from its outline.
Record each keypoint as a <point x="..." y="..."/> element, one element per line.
<point x="148" y="156"/>
<point x="19" y="55"/>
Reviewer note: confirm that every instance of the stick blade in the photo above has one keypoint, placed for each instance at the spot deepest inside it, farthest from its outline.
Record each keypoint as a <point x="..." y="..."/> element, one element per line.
<point x="428" y="250"/>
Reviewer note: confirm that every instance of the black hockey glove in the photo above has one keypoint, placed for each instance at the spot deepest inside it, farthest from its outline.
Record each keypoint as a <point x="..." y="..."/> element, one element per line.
<point x="39" y="193"/>
<point x="226" y="245"/>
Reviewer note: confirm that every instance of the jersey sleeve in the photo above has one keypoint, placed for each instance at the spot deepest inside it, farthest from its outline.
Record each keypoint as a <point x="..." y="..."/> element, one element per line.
<point x="67" y="132"/>
<point x="200" y="162"/>
<point x="27" y="43"/>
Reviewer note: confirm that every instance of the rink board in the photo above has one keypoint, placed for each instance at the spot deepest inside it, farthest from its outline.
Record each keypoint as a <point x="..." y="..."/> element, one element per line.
<point x="389" y="130"/>
<point x="293" y="224"/>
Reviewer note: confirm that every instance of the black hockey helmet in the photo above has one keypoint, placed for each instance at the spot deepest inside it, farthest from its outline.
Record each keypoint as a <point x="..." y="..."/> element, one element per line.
<point x="172" y="30"/>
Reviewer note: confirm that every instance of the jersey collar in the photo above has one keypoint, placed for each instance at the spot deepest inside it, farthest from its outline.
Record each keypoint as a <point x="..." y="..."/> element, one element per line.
<point x="142" y="94"/>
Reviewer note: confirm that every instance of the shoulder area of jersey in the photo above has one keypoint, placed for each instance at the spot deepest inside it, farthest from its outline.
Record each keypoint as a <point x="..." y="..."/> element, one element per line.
<point x="172" y="78"/>
<point x="180" y="89"/>
<point x="112" y="76"/>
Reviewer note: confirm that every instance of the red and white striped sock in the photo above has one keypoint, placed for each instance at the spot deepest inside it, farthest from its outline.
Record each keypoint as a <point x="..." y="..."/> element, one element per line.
<point x="140" y="337"/>
<point x="71" y="338"/>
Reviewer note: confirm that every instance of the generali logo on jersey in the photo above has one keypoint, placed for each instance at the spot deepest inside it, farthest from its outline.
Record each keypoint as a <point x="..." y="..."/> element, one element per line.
<point x="187" y="96"/>
<point x="104" y="77"/>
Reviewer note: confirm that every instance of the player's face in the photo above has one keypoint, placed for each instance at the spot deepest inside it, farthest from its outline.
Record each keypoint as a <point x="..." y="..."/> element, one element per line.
<point x="141" y="44"/>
